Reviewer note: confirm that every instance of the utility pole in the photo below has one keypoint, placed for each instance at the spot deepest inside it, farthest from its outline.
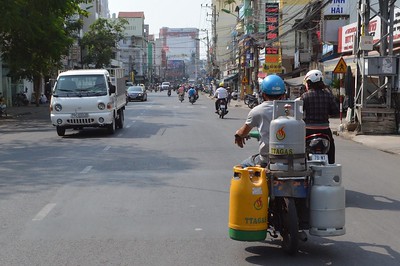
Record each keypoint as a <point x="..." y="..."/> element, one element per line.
<point x="212" y="58"/>
<point x="208" y="53"/>
<point x="256" y="15"/>
<point x="214" y="38"/>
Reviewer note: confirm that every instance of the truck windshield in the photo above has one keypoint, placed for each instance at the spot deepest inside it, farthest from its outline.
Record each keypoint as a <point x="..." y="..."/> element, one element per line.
<point x="81" y="86"/>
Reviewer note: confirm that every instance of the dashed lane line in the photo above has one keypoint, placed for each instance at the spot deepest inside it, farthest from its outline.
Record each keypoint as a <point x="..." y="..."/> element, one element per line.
<point x="44" y="212"/>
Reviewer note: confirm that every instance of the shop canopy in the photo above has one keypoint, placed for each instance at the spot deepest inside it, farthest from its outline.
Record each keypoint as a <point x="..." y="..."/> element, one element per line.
<point x="231" y="77"/>
<point x="294" y="82"/>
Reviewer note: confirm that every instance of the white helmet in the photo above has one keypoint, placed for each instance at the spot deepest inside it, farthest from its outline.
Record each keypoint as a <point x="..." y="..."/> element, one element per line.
<point x="314" y="76"/>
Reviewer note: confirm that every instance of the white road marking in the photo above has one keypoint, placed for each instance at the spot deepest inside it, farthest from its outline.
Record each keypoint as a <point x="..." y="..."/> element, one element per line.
<point x="198" y="229"/>
<point x="87" y="169"/>
<point x="106" y="148"/>
<point x="44" y="212"/>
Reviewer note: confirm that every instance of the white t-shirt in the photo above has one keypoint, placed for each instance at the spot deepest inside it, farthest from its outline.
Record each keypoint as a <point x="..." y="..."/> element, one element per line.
<point x="261" y="117"/>
<point x="221" y="93"/>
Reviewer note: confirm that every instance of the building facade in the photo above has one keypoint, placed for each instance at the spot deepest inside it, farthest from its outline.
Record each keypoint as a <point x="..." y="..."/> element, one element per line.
<point x="180" y="54"/>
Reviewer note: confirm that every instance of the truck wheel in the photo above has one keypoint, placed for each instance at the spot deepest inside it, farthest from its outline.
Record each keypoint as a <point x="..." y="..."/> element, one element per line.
<point x="111" y="127"/>
<point x="60" y="131"/>
<point x="121" y="118"/>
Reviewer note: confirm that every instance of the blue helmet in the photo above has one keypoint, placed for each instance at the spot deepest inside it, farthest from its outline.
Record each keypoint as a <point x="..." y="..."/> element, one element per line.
<point x="273" y="85"/>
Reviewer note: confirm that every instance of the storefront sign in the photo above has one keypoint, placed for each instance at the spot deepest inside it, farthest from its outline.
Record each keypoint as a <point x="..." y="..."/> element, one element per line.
<point x="337" y="7"/>
<point x="348" y="34"/>
<point x="273" y="59"/>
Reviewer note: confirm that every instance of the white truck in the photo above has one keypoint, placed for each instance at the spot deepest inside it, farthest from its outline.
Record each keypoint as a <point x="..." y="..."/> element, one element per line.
<point x="88" y="98"/>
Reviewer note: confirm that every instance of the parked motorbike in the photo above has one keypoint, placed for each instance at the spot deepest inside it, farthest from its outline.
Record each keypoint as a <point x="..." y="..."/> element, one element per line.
<point x="251" y="101"/>
<point x="300" y="194"/>
<point x="222" y="109"/>
<point x="3" y="109"/>
<point x="21" y="99"/>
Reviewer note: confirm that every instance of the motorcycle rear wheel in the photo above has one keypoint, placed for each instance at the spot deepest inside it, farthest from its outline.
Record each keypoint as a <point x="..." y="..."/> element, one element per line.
<point x="290" y="242"/>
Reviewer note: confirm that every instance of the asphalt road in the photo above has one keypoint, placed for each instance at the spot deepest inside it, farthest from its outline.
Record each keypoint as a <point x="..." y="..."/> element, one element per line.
<point x="157" y="193"/>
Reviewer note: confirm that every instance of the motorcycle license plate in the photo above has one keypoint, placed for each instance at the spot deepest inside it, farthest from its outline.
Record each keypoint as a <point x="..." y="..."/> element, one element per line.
<point x="319" y="157"/>
<point x="222" y="106"/>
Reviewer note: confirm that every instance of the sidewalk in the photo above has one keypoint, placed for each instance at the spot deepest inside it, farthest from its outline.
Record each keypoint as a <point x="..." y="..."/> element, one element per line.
<point x="30" y="111"/>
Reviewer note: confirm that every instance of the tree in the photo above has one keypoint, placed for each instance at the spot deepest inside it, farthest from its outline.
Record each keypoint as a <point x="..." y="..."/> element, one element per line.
<point x="101" y="40"/>
<point x="228" y="2"/>
<point x="35" y="34"/>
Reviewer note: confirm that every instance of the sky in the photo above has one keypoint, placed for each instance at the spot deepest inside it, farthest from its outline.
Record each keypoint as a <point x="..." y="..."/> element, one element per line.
<point x="164" y="13"/>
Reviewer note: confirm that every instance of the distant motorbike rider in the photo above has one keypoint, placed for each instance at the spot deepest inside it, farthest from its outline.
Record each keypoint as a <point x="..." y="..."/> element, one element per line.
<point x="272" y="88"/>
<point x="221" y="94"/>
<point x="192" y="93"/>
<point x="181" y="92"/>
<point x="318" y="105"/>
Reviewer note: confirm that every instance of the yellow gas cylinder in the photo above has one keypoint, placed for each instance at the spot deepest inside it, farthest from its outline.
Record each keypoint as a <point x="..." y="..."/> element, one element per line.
<point x="248" y="204"/>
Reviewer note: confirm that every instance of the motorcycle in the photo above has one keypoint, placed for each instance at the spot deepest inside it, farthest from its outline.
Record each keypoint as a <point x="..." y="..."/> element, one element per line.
<point x="21" y="99"/>
<point x="317" y="147"/>
<point x="222" y="108"/>
<point x="251" y="101"/>
<point x="192" y="99"/>
<point x="302" y="193"/>
<point x="3" y="109"/>
<point x="169" y="93"/>
<point x="181" y="97"/>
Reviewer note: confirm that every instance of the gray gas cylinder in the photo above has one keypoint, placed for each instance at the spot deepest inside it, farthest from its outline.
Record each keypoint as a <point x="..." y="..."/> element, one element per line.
<point x="287" y="136"/>
<point x="327" y="201"/>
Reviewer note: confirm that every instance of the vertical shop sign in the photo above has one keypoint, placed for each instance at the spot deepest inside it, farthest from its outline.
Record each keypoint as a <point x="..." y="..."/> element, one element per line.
<point x="273" y="59"/>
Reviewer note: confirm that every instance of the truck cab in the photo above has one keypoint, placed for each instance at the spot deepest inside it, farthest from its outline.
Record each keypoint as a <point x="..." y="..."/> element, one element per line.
<point x="88" y="98"/>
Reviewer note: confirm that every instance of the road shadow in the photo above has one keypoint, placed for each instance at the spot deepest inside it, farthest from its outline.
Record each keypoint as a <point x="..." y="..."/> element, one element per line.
<point x="324" y="251"/>
<point x="357" y="199"/>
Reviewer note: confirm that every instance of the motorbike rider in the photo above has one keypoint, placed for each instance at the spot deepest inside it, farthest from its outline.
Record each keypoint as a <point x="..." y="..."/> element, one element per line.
<point x="272" y="88"/>
<point x="181" y="91"/>
<point x="318" y="105"/>
<point x="192" y="92"/>
<point x="222" y="94"/>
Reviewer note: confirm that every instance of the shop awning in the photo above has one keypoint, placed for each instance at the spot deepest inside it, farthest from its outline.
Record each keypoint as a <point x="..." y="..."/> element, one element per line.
<point x="294" y="82"/>
<point x="231" y="77"/>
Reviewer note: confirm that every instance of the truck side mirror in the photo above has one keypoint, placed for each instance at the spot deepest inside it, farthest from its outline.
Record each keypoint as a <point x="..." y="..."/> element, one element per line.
<point x="112" y="89"/>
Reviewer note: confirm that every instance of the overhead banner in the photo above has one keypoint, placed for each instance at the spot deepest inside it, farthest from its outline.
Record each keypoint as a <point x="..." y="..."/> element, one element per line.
<point x="273" y="58"/>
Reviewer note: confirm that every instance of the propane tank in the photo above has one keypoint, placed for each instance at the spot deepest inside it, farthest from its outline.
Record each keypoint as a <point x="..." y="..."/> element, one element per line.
<point x="327" y="201"/>
<point x="287" y="137"/>
<point x="248" y="204"/>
